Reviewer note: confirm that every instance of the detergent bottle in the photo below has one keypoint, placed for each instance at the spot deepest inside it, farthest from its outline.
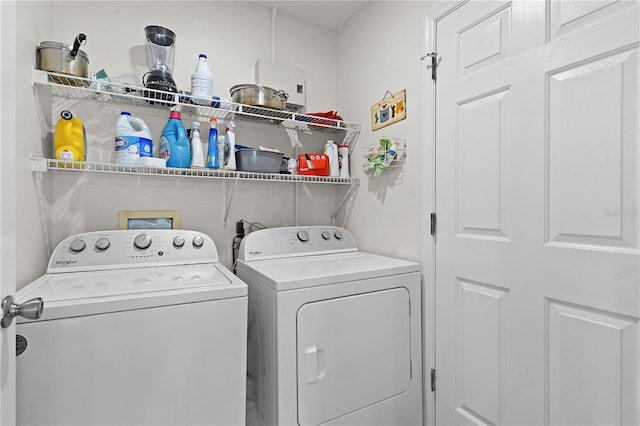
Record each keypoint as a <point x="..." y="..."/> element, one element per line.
<point x="174" y="143"/>
<point x="70" y="140"/>
<point x="133" y="139"/>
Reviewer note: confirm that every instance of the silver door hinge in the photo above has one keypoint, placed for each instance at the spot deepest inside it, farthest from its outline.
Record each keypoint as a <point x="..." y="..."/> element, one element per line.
<point x="433" y="223"/>
<point x="433" y="380"/>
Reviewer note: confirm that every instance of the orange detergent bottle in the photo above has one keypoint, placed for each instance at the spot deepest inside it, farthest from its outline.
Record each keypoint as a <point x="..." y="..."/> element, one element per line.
<point x="70" y="141"/>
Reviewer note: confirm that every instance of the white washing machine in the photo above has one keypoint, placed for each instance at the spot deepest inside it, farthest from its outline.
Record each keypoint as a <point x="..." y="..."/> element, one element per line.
<point x="334" y="333"/>
<point x="138" y="328"/>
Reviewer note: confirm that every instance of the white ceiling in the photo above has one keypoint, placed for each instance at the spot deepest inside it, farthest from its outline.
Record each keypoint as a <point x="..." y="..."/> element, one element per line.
<point x="330" y="14"/>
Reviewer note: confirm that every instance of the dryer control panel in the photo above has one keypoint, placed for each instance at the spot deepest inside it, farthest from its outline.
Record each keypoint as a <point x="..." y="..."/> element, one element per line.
<point x="119" y="249"/>
<point x="295" y="241"/>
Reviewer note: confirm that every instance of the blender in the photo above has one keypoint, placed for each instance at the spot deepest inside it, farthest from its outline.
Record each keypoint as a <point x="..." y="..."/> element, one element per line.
<point x="160" y="56"/>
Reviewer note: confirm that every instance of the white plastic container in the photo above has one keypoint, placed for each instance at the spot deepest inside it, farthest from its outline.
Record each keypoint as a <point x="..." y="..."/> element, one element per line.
<point x="197" y="155"/>
<point x="343" y="160"/>
<point x="331" y="151"/>
<point x="202" y="83"/>
<point x="221" y="146"/>
<point x="132" y="140"/>
<point x="230" y="150"/>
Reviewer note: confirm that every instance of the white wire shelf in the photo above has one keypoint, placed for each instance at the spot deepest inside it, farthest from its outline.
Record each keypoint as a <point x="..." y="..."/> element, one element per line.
<point x="47" y="164"/>
<point x="72" y="87"/>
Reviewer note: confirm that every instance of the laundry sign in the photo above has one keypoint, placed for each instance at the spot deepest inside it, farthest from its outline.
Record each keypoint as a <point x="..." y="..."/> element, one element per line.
<point x="389" y="110"/>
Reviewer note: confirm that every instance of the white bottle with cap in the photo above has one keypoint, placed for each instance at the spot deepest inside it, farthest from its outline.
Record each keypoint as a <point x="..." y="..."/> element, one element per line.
<point x="197" y="155"/>
<point x="331" y="151"/>
<point x="343" y="160"/>
<point x="202" y="83"/>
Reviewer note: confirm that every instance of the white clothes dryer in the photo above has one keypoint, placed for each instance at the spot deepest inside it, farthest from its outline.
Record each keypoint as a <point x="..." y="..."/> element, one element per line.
<point x="334" y="333"/>
<point x="138" y="328"/>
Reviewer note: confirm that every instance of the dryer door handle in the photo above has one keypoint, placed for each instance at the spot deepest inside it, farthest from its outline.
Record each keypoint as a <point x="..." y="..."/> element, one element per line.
<point x="313" y="364"/>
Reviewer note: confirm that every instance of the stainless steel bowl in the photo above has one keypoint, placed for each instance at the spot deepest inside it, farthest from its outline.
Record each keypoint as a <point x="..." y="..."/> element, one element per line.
<point x="262" y="96"/>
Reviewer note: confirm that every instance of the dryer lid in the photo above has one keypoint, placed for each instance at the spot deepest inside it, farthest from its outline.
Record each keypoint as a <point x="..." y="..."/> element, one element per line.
<point x="311" y="271"/>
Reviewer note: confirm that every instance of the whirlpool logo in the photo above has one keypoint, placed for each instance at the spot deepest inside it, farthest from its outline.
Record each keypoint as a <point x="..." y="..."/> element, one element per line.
<point x="65" y="262"/>
<point x="255" y="253"/>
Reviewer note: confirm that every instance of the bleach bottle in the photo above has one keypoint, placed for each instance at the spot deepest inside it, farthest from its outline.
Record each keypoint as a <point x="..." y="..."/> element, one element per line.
<point x="133" y="139"/>
<point x="174" y="143"/>
<point x="202" y="82"/>
<point x="70" y="140"/>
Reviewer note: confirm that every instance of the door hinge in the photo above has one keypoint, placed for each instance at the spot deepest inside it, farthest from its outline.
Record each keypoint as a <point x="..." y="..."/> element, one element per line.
<point x="433" y="380"/>
<point x="435" y="61"/>
<point x="433" y="224"/>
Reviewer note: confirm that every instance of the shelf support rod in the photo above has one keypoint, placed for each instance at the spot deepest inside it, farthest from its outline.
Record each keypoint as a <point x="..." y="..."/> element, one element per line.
<point x="349" y="193"/>
<point x="229" y="200"/>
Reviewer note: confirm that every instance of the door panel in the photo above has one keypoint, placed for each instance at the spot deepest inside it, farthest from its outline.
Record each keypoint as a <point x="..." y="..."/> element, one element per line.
<point x="537" y="271"/>
<point x="481" y="188"/>
<point x="353" y="352"/>
<point x="592" y="153"/>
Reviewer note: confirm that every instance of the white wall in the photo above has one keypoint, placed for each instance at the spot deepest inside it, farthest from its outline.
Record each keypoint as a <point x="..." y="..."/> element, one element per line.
<point x="380" y="50"/>
<point x="54" y="205"/>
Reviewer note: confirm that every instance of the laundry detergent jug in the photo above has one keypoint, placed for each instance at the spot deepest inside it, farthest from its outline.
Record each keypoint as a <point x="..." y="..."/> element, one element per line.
<point x="174" y="143"/>
<point x="70" y="140"/>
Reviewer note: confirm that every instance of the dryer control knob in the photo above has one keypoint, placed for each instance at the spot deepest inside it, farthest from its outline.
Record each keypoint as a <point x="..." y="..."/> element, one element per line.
<point x="303" y="236"/>
<point x="326" y="235"/>
<point x="142" y="241"/>
<point x="102" y="244"/>
<point x="77" y="245"/>
<point x="198" y="241"/>
<point x="178" y="241"/>
<point x="338" y="235"/>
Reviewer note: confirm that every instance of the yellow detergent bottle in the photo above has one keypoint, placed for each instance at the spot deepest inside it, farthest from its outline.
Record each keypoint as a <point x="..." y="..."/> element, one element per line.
<point x="70" y="141"/>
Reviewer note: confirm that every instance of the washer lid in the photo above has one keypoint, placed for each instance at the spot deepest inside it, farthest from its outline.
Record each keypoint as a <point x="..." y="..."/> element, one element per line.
<point x="88" y="293"/>
<point x="310" y="271"/>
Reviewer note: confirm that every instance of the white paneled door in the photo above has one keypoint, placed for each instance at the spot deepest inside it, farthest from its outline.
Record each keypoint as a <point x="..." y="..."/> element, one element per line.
<point x="538" y="208"/>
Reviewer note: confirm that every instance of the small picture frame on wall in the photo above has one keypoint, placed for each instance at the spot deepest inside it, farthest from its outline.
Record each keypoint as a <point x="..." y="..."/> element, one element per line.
<point x="149" y="219"/>
<point x="389" y="110"/>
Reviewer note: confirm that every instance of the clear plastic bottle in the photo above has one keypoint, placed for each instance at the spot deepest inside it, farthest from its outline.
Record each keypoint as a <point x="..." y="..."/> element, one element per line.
<point x="202" y="82"/>
<point x="212" y="150"/>
<point x="197" y="156"/>
<point x="174" y="143"/>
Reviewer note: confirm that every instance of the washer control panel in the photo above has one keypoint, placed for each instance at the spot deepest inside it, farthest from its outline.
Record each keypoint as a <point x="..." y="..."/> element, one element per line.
<point x="273" y="243"/>
<point x="132" y="248"/>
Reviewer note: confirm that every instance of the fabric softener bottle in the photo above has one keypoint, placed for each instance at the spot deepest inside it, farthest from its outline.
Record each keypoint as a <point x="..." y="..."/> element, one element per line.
<point x="174" y="143"/>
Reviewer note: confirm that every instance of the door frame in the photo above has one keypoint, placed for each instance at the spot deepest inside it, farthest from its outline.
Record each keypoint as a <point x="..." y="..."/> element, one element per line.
<point x="7" y="205"/>
<point x="428" y="185"/>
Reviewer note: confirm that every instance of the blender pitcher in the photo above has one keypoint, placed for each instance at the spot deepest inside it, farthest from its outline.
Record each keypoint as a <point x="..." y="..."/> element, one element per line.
<point x="160" y="57"/>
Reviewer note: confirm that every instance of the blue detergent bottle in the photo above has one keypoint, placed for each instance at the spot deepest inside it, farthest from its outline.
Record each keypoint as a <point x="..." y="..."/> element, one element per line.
<point x="174" y="143"/>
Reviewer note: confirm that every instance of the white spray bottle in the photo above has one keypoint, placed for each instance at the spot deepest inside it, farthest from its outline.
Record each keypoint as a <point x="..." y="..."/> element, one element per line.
<point x="230" y="161"/>
<point x="197" y="155"/>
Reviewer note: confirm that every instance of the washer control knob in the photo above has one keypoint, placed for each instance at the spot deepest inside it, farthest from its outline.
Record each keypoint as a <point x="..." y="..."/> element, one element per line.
<point x="77" y="245"/>
<point x="102" y="244"/>
<point x="326" y="235"/>
<point x="303" y="236"/>
<point x="338" y="235"/>
<point x="142" y="241"/>
<point x="198" y="241"/>
<point x="178" y="241"/>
